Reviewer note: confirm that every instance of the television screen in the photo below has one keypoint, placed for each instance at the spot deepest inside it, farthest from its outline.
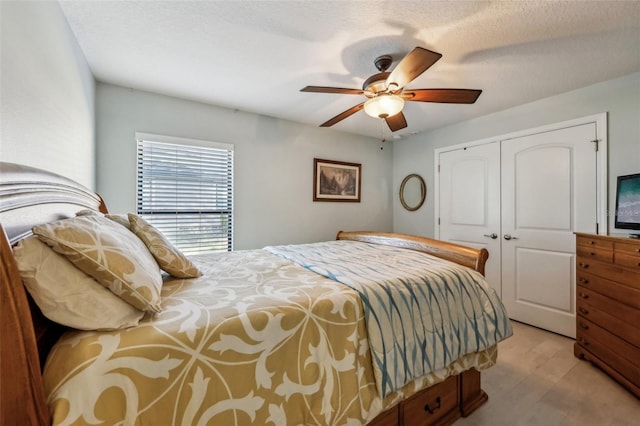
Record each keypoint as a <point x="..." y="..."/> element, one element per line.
<point x="628" y="202"/>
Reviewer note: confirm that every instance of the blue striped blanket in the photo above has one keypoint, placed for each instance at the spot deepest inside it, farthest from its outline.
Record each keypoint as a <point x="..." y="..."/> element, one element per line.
<point x="422" y="312"/>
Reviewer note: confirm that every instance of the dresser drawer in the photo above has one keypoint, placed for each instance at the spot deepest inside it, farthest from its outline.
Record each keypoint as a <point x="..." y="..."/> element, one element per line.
<point x="611" y="289"/>
<point x="628" y="260"/>
<point x="625" y="330"/>
<point x="612" y="307"/>
<point x="589" y="335"/>
<point x="595" y="253"/>
<point x="430" y="406"/>
<point x="594" y="242"/>
<point x="617" y="273"/>
<point x="628" y="248"/>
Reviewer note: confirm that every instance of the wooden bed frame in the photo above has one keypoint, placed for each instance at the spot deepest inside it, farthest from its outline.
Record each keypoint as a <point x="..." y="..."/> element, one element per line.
<point x="30" y="196"/>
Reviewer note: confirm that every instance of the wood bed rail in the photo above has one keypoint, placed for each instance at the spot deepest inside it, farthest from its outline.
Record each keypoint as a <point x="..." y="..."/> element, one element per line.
<point x="466" y="256"/>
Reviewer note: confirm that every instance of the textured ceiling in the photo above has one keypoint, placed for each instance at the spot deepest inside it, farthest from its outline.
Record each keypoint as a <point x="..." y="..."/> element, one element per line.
<point x="256" y="55"/>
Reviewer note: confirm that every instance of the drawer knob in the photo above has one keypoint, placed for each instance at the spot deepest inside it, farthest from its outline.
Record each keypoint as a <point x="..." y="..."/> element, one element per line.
<point x="592" y="254"/>
<point x="592" y="242"/>
<point x="433" y="409"/>
<point x="583" y="311"/>
<point x="584" y="326"/>
<point x="583" y="280"/>
<point x="583" y="265"/>
<point x="584" y="342"/>
<point x="584" y="295"/>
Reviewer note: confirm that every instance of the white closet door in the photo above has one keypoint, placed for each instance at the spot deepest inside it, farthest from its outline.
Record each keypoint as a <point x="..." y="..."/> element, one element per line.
<point x="548" y="193"/>
<point x="470" y="202"/>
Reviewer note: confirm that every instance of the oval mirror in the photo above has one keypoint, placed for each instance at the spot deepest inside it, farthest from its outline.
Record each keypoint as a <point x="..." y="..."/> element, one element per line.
<point x="413" y="192"/>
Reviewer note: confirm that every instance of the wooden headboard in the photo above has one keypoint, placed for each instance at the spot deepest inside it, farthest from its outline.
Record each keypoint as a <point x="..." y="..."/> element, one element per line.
<point x="28" y="197"/>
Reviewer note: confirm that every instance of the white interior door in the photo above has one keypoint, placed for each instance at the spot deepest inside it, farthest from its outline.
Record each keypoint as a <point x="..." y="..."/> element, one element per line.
<point x="470" y="202"/>
<point x="548" y="192"/>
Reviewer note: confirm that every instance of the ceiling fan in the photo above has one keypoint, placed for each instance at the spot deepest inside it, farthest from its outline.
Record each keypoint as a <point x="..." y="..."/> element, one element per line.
<point x="386" y="91"/>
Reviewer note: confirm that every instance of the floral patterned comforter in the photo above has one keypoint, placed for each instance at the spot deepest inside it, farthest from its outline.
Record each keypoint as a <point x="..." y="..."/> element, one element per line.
<point x="422" y="312"/>
<point x="256" y="340"/>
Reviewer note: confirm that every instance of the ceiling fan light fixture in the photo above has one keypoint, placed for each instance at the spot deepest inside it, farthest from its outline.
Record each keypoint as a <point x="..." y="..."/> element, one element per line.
<point x="385" y="91"/>
<point x="384" y="105"/>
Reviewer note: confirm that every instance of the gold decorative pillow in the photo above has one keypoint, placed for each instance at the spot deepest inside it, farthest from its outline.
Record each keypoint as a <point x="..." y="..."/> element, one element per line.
<point x="166" y="254"/>
<point x="67" y="295"/>
<point x="109" y="253"/>
<point x="88" y="212"/>
<point x="122" y="219"/>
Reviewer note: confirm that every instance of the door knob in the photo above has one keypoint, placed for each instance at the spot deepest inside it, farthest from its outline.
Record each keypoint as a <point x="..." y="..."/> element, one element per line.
<point x="509" y="237"/>
<point x="492" y="236"/>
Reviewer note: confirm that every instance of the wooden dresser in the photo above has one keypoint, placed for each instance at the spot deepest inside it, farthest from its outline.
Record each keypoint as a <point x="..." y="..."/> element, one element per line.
<point x="608" y="306"/>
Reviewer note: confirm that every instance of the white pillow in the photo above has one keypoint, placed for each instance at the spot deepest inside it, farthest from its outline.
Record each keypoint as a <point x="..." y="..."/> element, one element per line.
<point x="67" y="295"/>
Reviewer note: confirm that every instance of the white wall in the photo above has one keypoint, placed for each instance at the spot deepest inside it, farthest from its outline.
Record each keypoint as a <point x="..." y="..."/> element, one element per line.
<point x="46" y="92"/>
<point x="620" y="98"/>
<point x="273" y="165"/>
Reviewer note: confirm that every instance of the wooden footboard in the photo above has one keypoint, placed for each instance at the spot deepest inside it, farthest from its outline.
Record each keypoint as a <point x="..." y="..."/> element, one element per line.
<point x="462" y="255"/>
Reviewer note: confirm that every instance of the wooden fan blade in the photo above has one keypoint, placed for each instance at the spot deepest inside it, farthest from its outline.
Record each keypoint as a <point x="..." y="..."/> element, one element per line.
<point x="343" y="115"/>
<point x="446" y="96"/>
<point x="338" y="90"/>
<point x="415" y="63"/>
<point x="396" y="122"/>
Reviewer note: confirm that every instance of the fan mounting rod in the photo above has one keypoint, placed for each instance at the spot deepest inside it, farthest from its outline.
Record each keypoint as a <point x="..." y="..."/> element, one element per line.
<point x="377" y="83"/>
<point x="383" y="62"/>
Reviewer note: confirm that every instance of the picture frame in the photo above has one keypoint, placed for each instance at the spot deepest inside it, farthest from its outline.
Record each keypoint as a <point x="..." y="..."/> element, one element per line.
<point x="336" y="181"/>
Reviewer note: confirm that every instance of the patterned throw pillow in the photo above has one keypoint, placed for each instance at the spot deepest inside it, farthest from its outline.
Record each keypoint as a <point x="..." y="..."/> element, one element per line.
<point x="88" y="212"/>
<point x="168" y="257"/>
<point x="67" y="295"/>
<point x="122" y="219"/>
<point x="109" y="253"/>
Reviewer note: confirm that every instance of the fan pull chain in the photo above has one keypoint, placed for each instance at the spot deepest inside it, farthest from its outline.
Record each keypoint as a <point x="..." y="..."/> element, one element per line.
<point x="382" y="139"/>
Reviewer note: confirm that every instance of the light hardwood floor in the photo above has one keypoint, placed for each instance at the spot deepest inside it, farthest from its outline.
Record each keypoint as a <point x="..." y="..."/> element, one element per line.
<point x="538" y="381"/>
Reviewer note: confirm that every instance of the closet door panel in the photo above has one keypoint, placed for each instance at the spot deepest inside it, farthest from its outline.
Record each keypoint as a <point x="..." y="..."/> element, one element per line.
<point x="547" y="193"/>
<point x="470" y="202"/>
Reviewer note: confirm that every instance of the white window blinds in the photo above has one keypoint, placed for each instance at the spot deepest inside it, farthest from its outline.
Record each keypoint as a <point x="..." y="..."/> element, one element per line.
<point x="185" y="189"/>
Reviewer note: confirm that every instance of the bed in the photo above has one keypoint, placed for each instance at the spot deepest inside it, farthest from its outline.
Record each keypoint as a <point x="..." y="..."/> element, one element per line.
<point x="281" y="335"/>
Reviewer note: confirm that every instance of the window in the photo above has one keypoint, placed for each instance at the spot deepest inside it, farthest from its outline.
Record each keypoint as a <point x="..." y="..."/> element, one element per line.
<point x="185" y="189"/>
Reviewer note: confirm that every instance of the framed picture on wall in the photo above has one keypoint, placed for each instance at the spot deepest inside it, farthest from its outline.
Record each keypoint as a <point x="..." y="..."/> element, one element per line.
<point x="336" y="181"/>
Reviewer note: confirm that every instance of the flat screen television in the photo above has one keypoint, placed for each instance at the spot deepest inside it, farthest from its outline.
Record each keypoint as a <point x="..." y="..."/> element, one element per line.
<point x="628" y="203"/>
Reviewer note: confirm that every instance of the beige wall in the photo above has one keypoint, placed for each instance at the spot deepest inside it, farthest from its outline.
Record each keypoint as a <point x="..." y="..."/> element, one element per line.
<point x="273" y="188"/>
